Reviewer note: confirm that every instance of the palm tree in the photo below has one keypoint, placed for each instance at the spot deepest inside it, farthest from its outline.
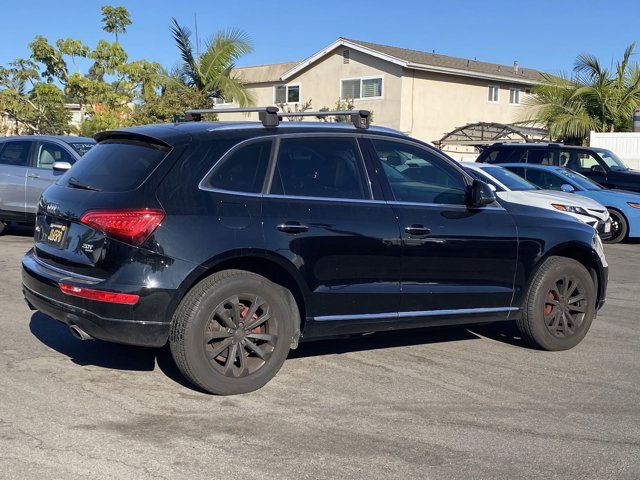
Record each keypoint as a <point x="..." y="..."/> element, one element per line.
<point x="593" y="99"/>
<point x="212" y="72"/>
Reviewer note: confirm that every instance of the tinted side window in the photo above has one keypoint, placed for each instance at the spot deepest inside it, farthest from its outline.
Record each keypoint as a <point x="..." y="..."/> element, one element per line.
<point x="506" y="155"/>
<point x="544" y="179"/>
<point x="48" y="153"/>
<point x="244" y="170"/>
<point x="327" y="167"/>
<point x="540" y="156"/>
<point x="15" y="153"/>
<point x="577" y="161"/>
<point x="417" y="175"/>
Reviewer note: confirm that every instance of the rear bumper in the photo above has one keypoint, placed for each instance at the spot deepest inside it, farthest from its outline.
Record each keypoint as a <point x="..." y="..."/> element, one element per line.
<point x="113" y="323"/>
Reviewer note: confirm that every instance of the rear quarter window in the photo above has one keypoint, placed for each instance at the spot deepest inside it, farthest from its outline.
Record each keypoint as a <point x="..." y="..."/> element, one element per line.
<point x="117" y="165"/>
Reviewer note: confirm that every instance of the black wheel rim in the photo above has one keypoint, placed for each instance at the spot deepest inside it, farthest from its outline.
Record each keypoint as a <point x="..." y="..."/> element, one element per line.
<point x="241" y="335"/>
<point x="565" y="307"/>
<point x="616" y="226"/>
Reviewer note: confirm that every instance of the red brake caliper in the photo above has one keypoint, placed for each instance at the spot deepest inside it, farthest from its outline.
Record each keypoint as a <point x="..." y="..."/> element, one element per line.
<point x="548" y="308"/>
<point x="243" y="314"/>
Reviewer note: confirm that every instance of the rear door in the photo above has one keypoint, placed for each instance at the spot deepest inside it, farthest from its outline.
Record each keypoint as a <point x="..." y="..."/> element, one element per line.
<point x="320" y="213"/>
<point x="14" y="163"/>
<point x="457" y="262"/>
<point x="41" y="174"/>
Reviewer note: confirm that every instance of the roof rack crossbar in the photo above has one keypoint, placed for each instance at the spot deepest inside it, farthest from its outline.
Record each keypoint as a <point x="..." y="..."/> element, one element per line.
<point x="267" y="115"/>
<point x="359" y="118"/>
<point x="270" y="116"/>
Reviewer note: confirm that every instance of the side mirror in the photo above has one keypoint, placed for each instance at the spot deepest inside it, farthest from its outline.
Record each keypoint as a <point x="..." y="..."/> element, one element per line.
<point x="492" y="187"/>
<point x="565" y="187"/>
<point x="598" y="169"/>
<point x="480" y="194"/>
<point x="61" y="166"/>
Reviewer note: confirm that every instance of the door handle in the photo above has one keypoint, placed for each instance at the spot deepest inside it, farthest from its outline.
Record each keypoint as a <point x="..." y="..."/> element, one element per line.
<point x="417" y="230"/>
<point x="33" y="175"/>
<point x="292" y="227"/>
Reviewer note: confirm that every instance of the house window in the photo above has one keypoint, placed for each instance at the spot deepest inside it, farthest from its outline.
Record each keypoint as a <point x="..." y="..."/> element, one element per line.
<point x="221" y="101"/>
<point x="286" y="94"/>
<point x="357" y="88"/>
<point x="514" y="96"/>
<point x="527" y="91"/>
<point x="493" y="93"/>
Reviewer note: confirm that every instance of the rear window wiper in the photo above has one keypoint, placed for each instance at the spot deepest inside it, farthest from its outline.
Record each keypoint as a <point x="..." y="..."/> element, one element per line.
<point x="74" y="182"/>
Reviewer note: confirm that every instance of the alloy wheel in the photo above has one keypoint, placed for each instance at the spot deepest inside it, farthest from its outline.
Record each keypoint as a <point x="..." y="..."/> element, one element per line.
<point x="240" y="336"/>
<point x="565" y="306"/>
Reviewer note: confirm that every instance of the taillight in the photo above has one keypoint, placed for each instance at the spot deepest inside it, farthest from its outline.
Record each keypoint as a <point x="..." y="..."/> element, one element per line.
<point x="99" y="295"/>
<point x="131" y="226"/>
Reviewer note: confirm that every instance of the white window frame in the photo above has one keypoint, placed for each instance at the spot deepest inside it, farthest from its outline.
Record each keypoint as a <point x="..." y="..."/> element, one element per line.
<point x="497" y="100"/>
<point x="514" y="90"/>
<point x="224" y="102"/>
<point x="286" y="93"/>
<point x="371" y="77"/>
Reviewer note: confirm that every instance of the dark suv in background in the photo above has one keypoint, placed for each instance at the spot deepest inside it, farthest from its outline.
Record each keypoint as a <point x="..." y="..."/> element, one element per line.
<point x="599" y="164"/>
<point x="232" y="241"/>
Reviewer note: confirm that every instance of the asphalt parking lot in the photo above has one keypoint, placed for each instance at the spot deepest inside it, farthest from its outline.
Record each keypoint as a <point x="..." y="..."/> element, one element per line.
<point x="457" y="403"/>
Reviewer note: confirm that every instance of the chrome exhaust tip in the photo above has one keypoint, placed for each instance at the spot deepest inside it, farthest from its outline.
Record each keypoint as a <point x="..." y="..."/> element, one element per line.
<point x="79" y="333"/>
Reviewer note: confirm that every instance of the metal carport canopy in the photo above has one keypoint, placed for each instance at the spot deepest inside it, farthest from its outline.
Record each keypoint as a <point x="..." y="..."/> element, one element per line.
<point x="486" y="133"/>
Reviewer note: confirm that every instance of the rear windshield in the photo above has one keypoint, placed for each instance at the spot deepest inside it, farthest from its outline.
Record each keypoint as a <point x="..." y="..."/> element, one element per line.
<point x="115" y="165"/>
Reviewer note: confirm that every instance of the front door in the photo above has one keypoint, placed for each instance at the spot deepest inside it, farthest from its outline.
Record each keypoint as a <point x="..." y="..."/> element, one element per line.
<point x="320" y="214"/>
<point x="458" y="262"/>
<point x="14" y="162"/>
<point x="41" y="173"/>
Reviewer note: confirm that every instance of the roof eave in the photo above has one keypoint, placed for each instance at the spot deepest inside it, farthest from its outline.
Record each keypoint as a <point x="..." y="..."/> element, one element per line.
<point x="467" y="73"/>
<point x="341" y="42"/>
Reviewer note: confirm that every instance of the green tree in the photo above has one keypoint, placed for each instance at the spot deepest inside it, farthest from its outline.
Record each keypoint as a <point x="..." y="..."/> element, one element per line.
<point x="115" y="19"/>
<point x="594" y="98"/>
<point x="34" y="106"/>
<point x="212" y="72"/>
<point x="172" y="100"/>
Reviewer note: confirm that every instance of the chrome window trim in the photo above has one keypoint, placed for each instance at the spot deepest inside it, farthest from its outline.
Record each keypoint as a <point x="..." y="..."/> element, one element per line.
<point x="355" y="135"/>
<point x="419" y="313"/>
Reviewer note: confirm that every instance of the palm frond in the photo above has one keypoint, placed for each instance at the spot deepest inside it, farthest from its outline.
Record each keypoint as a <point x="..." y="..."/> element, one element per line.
<point x="182" y="37"/>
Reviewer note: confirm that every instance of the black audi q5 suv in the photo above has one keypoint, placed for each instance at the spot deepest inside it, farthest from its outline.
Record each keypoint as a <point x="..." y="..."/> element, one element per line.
<point x="232" y="242"/>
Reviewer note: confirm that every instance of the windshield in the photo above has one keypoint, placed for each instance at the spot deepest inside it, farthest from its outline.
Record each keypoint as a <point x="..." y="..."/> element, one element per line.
<point x="509" y="179"/>
<point x="580" y="180"/>
<point x="82" y="148"/>
<point x="115" y="166"/>
<point x="612" y="160"/>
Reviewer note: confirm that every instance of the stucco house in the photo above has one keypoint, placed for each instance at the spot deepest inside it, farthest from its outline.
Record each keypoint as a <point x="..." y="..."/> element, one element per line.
<point x="423" y="94"/>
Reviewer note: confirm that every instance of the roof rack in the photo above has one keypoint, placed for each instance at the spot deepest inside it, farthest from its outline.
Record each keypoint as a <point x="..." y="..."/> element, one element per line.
<point x="359" y="118"/>
<point x="271" y="116"/>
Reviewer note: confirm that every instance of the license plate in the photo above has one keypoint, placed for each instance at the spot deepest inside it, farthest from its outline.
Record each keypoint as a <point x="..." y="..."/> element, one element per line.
<point x="607" y="227"/>
<point x="57" y="234"/>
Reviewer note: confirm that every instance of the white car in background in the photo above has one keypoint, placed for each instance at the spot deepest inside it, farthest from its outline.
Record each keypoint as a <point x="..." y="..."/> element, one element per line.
<point x="513" y="188"/>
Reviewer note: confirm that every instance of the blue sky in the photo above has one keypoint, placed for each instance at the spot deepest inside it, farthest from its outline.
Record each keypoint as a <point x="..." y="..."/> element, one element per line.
<point x="541" y="34"/>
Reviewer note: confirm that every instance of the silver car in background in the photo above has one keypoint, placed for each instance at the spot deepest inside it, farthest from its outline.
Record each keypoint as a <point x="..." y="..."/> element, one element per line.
<point x="28" y="165"/>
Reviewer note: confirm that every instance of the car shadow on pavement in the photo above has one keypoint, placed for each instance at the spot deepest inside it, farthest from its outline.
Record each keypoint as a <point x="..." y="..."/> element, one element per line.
<point x="115" y="356"/>
<point x="98" y="353"/>
<point x="503" y="332"/>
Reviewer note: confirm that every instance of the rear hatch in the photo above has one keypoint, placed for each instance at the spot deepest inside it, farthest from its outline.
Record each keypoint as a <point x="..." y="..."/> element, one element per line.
<point x="103" y="211"/>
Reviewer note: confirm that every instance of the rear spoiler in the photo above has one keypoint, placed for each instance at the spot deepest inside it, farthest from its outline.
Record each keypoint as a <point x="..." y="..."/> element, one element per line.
<point x="131" y="137"/>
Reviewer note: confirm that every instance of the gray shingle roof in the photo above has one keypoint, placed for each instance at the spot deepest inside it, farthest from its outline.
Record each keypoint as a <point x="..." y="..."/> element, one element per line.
<point x="444" y="61"/>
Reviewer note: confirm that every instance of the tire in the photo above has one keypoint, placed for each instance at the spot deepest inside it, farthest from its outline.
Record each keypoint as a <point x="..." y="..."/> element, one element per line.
<point x="2" y="226"/>
<point x="543" y="323"/>
<point x="243" y="351"/>
<point x="619" y="227"/>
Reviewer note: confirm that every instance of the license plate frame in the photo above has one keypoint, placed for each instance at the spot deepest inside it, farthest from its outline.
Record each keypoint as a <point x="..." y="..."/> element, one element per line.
<point x="57" y="234"/>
